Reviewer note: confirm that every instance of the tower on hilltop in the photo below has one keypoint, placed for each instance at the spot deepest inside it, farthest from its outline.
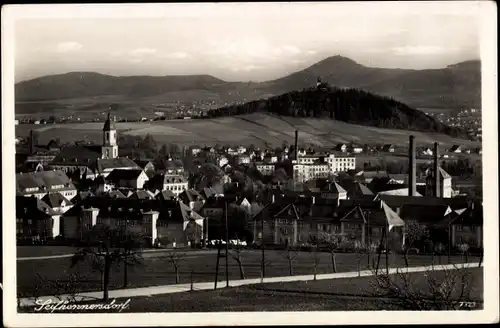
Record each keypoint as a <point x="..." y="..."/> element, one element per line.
<point x="109" y="139"/>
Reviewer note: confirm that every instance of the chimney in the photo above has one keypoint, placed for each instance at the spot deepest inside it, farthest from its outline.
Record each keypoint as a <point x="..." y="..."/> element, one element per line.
<point x="296" y="144"/>
<point x="437" y="175"/>
<point x="412" y="167"/>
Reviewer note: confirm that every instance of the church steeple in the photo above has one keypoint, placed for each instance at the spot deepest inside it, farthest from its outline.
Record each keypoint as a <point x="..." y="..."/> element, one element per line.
<point x="109" y="139"/>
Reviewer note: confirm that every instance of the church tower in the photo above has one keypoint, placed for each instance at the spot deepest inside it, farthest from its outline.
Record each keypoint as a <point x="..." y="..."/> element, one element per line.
<point x="109" y="139"/>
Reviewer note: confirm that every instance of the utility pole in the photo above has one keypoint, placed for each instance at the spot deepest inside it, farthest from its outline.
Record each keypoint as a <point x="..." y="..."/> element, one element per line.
<point x="217" y="265"/>
<point x="263" y="263"/>
<point x="227" y="248"/>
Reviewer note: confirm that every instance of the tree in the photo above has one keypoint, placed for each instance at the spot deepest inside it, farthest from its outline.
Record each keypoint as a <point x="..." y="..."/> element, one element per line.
<point x="413" y="233"/>
<point x="107" y="246"/>
<point x="360" y="251"/>
<point x="316" y="258"/>
<point x="442" y="289"/>
<point x="439" y="249"/>
<point x="290" y="253"/>
<point x="175" y="258"/>
<point x="464" y="249"/>
<point x="236" y="254"/>
<point x="332" y="241"/>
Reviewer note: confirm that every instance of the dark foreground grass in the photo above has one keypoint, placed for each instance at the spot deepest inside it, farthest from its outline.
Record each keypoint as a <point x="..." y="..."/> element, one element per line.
<point x="348" y="294"/>
<point x="200" y="267"/>
<point x="43" y="250"/>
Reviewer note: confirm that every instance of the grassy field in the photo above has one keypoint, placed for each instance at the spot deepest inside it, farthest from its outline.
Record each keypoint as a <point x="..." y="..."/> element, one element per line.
<point x="258" y="129"/>
<point x="348" y="294"/>
<point x="160" y="271"/>
<point x="34" y="251"/>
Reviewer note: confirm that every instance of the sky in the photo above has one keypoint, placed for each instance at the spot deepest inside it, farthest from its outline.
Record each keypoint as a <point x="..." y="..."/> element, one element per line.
<point x="246" y="42"/>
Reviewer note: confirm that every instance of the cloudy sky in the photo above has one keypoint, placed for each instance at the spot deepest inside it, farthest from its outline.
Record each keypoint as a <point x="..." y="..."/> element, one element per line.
<point x="242" y="42"/>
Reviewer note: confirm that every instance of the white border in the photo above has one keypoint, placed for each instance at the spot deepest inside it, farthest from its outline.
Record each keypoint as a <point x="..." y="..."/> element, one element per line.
<point x="486" y="9"/>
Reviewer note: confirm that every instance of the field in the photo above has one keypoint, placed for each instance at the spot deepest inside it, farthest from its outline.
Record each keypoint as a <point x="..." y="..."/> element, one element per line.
<point x="258" y="129"/>
<point x="158" y="270"/>
<point x="347" y="294"/>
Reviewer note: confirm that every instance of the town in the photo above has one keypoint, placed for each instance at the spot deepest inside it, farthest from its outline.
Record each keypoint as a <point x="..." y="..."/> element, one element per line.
<point x="62" y="192"/>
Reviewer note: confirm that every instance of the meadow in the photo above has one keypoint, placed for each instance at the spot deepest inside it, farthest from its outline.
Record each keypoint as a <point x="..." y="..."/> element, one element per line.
<point x="259" y="129"/>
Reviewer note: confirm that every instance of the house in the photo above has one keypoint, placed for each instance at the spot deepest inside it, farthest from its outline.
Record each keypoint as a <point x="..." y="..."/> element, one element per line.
<point x="265" y="168"/>
<point x="426" y="151"/>
<point x="57" y="202"/>
<point x="398" y="178"/>
<point x="334" y="191"/>
<point x="344" y="163"/>
<point x="195" y="150"/>
<point x="232" y="152"/>
<point x="341" y="147"/>
<point x="125" y="178"/>
<point x="169" y="223"/>
<point x="166" y="195"/>
<point x="115" y="194"/>
<point x="175" y="183"/>
<point x="359" y="190"/>
<point x="213" y="209"/>
<point x="241" y="150"/>
<point x="105" y="166"/>
<point x="141" y="194"/>
<point x="368" y="176"/>
<point x="270" y="158"/>
<point x="445" y="185"/>
<point x="39" y="184"/>
<point x="191" y="198"/>
<point x="356" y="148"/>
<point x="243" y="159"/>
<point x="305" y="172"/>
<point x="467" y="228"/>
<point x="456" y="149"/>
<point x="388" y="148"/>
<point x="223" y="161"/>
<point x="36" y="221"/>
<point x="145" y="165"/>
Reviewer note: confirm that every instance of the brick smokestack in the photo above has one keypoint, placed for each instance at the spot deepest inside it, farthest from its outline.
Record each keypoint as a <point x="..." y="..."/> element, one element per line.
<point x="412" y="167"/>
<point x="296" y="144"/>
<point x="437" y="175"/>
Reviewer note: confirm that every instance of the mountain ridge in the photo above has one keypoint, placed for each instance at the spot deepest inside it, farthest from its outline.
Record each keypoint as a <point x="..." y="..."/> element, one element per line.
<point x="456" y="85"/>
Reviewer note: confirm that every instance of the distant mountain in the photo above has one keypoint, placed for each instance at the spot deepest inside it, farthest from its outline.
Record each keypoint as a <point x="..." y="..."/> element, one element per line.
<point x="455" y="86"/>
<point x="90" y="84"/>
<point x="346" y="105"/>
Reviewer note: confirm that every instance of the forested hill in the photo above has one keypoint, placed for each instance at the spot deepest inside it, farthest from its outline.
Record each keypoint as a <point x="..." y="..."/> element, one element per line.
<point x="347" y="105"/>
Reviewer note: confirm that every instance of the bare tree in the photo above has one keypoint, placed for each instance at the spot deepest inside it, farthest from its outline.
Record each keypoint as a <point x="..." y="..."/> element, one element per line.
<point x="439" y="249"/>
<point x="316" y="258"/>
<point x="290" y="253"/>
<point x="106" y="246"/>
<point x="464" y="249"/>
<point x="236" y="254"/>
<point x="332" y="241"/>
<point x="176" y="258"/>
<point x="413" y="233"/>
<point x="360" y="251"/>
<point x="444" y="289"/>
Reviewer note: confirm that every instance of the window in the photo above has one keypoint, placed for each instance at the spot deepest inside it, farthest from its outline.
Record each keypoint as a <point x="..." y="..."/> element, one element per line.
<point x="29" y="221"/>
<point x="107" y="152"/>
<point x="459" y="228"/>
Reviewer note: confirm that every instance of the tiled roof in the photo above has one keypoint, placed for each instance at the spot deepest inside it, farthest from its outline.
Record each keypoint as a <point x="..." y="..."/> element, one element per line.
<point x="166" y="195"/>
<point x="44" y="180"/>
<point x="55" y="199"/>
<point x="360" y="189"/>
<point x="173" y="178"/>
<point x="470" y="217"/>
<point x="115" y="194"/>
<point x="141" y="194"/>
<point x="423" y="213"/>
<point x="334" y="187"/>
<point x="116" y="163"/>
<point x="123" y="174"/>
<point x="33" y="208"/>
<point x="398" y="201"/>
<point x="77" y="154"/>
<point x="142" y="163"/>
<point x="190" y="195"/>
<point x="398" y="192"/>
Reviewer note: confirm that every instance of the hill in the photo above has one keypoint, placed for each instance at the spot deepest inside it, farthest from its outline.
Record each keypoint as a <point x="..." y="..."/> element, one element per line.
<point x="260" y="129"/>
<point x="346" y="105"/>
<point x="454" y="86"/>
<point x="90" y="84"/>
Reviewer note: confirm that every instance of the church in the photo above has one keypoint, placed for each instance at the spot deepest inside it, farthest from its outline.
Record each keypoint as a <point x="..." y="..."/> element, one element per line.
<point x="91" y="161"/>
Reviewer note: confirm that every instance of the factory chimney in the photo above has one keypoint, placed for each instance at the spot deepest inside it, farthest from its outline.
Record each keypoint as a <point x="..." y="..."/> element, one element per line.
<point x="437" y="174"/>
<point x="412" y="167"/>
<point x="296" y="144"/>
